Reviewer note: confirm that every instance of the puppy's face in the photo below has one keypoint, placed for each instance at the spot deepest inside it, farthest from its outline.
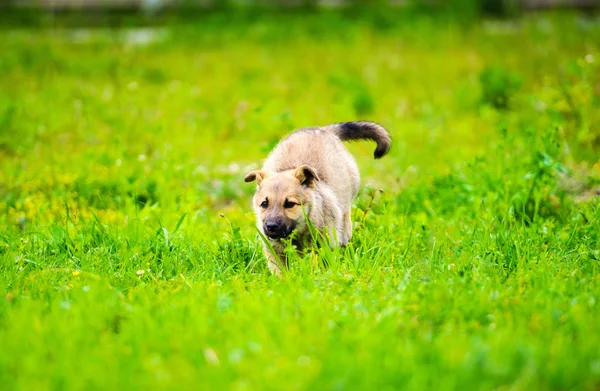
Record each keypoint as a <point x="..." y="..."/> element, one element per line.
<point x="280" y="199"/>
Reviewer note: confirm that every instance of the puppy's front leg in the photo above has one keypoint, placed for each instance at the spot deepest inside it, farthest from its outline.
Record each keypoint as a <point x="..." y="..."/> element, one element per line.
<point x="347" y="228"/>
<point x="275" y="261"/>
<point x="336" y="231"/>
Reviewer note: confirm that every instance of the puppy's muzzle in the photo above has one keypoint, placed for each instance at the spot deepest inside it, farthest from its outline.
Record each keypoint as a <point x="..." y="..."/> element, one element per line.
<point x="277" y="230"/>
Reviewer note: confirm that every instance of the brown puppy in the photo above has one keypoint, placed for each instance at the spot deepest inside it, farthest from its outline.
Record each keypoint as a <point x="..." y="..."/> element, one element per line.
<point x="310" y="173"/>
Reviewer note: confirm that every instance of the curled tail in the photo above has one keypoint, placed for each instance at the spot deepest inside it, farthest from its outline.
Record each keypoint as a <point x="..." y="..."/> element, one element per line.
<point x="363" y="130"/>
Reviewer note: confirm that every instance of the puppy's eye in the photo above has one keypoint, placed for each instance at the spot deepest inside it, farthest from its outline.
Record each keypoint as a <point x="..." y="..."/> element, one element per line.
<point x="264" y="204"/>
<point x="289" y="204"/>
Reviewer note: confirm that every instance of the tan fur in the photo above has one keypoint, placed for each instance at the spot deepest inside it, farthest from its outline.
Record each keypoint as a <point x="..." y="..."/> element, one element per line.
<point x="310" y="172"/>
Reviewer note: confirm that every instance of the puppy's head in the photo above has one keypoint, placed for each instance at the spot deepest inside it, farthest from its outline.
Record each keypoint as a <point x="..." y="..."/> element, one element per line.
<point x="280" y="199"/>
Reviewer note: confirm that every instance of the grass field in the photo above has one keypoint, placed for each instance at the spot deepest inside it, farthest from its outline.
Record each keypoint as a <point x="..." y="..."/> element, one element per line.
<point x="128" y="253"/>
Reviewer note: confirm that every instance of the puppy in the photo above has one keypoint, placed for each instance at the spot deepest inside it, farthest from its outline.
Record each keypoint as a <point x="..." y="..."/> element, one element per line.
<point x="310" y="175"/>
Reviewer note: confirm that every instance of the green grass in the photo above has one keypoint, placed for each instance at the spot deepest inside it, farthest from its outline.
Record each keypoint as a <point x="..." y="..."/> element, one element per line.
<point x="128" y="253"/>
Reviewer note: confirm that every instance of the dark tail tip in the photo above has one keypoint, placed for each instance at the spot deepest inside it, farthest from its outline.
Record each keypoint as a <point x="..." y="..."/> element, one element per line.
<point x="381" y="150"/>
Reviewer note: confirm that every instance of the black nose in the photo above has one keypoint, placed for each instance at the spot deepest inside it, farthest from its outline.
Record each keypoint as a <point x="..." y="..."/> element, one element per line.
<point x="277" y="229"/>
<point x="272" y="227"/>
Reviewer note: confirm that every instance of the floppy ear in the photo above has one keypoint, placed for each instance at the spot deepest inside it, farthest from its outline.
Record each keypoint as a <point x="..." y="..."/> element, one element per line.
<point x="257" y="176"/>
<point x="306" y="175"/>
